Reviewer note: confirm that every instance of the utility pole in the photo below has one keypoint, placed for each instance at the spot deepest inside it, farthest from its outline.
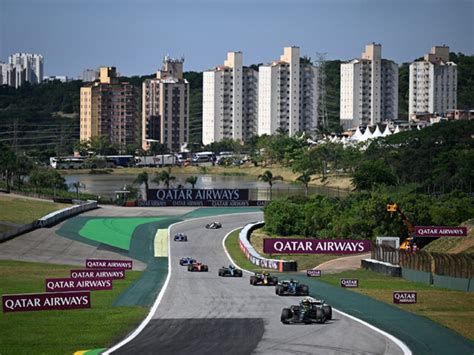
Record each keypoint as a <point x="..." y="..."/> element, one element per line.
<point x="322" y="107"/>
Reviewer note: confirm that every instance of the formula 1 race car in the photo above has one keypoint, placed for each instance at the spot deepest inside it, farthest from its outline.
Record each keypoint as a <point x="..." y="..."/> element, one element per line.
<point x="316" y="311"/>
<point x="263" y="279"/>
<point x="214" y="225"/>
<point x="230" y="271"/>
<point x="187" y="260"/>
<point x="180" y="237"/>
<point x="291" y="288"/>
<point x="199" y="267"/>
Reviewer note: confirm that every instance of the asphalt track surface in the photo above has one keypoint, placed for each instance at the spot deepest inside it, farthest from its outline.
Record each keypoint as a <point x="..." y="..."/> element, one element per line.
<point x="202" y="313"/>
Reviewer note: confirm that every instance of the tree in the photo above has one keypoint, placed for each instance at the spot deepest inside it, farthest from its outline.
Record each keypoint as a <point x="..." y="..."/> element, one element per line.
<point x="165" y="177"/>
<point x="192" y="180"/>
<point x="370" y="173"/>
<point x="76" y="186"/>
<point x="268" y="177"/>
<point x="8" y="161"/>
<point x="305" y="180"/>
<point x="142" y="178"/>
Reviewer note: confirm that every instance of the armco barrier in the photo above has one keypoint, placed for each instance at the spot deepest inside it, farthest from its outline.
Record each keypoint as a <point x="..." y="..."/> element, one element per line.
<point x="453" y="283"/>
<point x="382" y="267"/>
<point x="17" y="231"/>
<point x="255" y="258"/>
<point x="57" y="216"/>
<point x="417" y="276"/>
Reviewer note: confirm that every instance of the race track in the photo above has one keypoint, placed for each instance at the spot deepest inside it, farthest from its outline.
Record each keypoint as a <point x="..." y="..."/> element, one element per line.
<point x="201" y="313"/>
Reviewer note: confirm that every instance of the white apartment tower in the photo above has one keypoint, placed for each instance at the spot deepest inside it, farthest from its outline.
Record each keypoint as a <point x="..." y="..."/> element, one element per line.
<point x="165" y="107"/>
<point x="229" y="102"/>
<point x="32" y="63"/>
<point x="287" y="95"/>
<point x="369" y="89"/>
<point x="433" y="83"/>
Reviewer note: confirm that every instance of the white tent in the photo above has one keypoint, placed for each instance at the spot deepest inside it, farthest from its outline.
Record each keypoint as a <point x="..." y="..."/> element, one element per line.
<point x="357" y="136"/>
<point x="377" y="132"/>
<point x="367" y="134"/>
<point x="386" y="132"/>
<point x="397" y="130"/>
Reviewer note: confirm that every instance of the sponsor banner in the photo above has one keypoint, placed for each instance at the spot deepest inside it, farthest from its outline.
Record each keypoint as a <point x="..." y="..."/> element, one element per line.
<point x="402" y="297"/>
<point x="349" y="283"/>
<point x="315" y="246"/>
<point x="261" y="262"/>
<point x="436" y="231"/>
<point x="197" y="194"/>
<point x="313" y="273"/>
<point x="61" y="285"/>
<point x="46" y="301"/>
<point x="98" y="274"/>
<point x="188" y="203"/>
<point x="109" y="264"/>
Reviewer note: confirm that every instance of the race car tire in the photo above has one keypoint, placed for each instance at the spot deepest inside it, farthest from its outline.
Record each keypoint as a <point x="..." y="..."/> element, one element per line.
<point x="327" y="312"/>
<point x="205" y="268"/>
<point x="274" y="280"/>
<point x="279" y="290"/>
<point x="286" y="315"/>
<point x="253" y="280"/>
<point x="320" y="317"/>
<point x="190" y="268"/>
<point x="238" y="273"/>
<point x="221" y="272"/>
<point x="304" y="290"/>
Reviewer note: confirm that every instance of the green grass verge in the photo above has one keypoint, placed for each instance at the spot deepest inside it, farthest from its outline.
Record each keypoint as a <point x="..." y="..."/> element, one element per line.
<point x="454" y="244"/>
<point x="453" y="309"/>
<point x="22" y="210"/>
<point x="62" y="332"/>
<point x="233" y="248"/>
<point x="116" y="232"/>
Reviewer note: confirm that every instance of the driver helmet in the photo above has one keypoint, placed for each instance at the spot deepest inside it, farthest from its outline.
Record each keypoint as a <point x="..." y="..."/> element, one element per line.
<point x="306" y="300"/>
<point x="265" y="273"/>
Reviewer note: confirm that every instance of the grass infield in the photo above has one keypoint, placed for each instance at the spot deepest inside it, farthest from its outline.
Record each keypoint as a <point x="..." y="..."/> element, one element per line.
<point x="62" y="332"/>
<point x="453" y="309"/>
<point x="22" y="211"/>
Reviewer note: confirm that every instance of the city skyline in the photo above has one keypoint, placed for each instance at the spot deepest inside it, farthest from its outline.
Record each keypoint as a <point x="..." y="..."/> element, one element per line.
<point x="134" y="36"/>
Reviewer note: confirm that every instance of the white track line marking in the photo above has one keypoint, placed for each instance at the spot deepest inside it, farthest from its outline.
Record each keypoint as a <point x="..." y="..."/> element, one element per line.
<point x="157" y="302"/>
<point x="406" y="350"/>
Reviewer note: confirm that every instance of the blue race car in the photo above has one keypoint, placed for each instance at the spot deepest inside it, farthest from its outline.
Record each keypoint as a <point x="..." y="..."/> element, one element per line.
<point x="187" y="260"/>
<point x="180" y="237"/>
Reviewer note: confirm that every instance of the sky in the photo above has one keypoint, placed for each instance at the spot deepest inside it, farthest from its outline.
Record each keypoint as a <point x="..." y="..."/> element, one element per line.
<point x="73" y="35"/>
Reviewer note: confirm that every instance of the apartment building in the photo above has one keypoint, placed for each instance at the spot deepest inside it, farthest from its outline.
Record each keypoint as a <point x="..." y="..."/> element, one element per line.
<point x="110" y="108"/>
<point x="229" y="101"/>
<point x="22" y="67"/>
<point x="165" y="107"/>
<point x="288" y="95"/>
<point x="369" y="89"/>
<point x="433" y="83"/>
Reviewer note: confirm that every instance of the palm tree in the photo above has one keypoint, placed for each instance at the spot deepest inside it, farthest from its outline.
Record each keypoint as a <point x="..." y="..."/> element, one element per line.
<point x="268" y="177"/>
<point x="305" y="179"/>
<point x="192" y="180"/>
<point x="78" y="185"/>
<point x="142" y="178"/>
<point x="165" y="177"/>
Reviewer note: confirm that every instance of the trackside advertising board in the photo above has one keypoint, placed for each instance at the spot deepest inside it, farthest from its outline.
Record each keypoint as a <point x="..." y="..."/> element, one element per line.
<point x="98" y="274"/>
<point x="199" y="197"/>
<point x="109" y="264"/>
<point x="349" y="283"/>
<point x="404" y="297"/>
<point x="315" y="246"/>
<point x="313" y="273"/>
<point x="46" y="301"/>
<point x="434" y="231"/>
<point x="61" y="285"/>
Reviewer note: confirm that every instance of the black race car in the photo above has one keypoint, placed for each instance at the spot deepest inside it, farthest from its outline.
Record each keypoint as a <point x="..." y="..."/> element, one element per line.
<point x="199" y="267"/>
<point x="214" y="225"/>
<point x="230" y="271"/>
<point x="315" y="313"/>
<point x="180" y="237"/>
<point x="263" y="279"/>
<point x="291" y="288"/>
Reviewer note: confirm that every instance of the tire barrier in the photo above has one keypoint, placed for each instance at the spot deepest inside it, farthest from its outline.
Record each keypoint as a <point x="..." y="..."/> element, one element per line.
<point x="255" y="258"/>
